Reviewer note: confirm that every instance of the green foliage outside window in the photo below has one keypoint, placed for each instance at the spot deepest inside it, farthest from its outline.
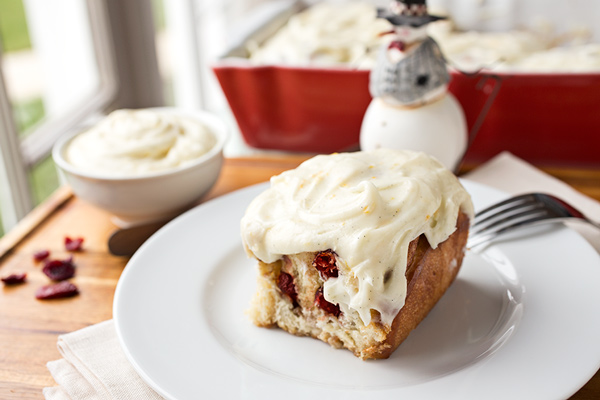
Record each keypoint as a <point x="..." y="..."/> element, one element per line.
<point x="13" y="26"/>
<point x="14" y="36"/>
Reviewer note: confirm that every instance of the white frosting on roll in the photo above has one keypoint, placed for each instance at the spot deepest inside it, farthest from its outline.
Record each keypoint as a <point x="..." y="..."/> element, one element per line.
<point x="366" y="207"/>
<point x="138" y="142"/>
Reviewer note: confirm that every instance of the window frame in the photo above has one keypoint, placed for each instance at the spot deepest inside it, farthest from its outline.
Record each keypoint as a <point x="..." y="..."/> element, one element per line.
<point x="125" y="50"/>
<point x="15" y="195"/>
<point x="36" y="145"/>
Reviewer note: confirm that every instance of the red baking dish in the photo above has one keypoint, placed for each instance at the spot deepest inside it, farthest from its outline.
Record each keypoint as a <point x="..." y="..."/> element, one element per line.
<point x="543" y="118"/>
<point x="296" y="109"/>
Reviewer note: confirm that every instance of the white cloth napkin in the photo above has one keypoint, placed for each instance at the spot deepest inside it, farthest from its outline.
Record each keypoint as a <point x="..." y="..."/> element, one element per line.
<point x="95" y="367"/>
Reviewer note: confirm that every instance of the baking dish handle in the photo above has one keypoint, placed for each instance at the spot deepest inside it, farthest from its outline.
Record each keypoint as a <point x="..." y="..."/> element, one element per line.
<point x="490" y="84"/>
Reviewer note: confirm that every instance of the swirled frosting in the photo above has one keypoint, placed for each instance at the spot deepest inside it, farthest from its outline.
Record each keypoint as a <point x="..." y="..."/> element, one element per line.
<point x="366" y="207"/>
<point x="138" y="142"/>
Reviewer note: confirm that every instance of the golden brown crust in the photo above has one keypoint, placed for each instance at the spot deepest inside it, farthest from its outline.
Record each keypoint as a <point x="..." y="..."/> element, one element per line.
<point x="434" y="271"/>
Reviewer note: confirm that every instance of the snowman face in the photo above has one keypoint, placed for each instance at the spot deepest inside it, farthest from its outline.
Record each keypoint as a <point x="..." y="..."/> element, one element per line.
<point x="410" y="34"/>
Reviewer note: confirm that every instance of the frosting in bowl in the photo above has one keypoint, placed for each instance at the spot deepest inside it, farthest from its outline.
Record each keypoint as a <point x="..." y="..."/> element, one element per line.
<point x="366" y="207"/>
<point x="139" y="142"/>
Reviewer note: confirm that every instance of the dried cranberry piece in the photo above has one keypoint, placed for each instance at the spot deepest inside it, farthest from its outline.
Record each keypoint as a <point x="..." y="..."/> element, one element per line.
<point x="41" y="255"/>
<point x="56" y="291"/>
<point x="324" y="262"/>
<point x="14" y="279"/>
<point x="59" y="270"/>
<point x="73" y="244"/>
<point x="286" y="284"/>
<point x="326" y="306"/>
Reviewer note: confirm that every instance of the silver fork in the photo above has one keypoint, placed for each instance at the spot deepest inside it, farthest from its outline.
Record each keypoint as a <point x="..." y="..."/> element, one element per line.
<point x="520" y="211"/>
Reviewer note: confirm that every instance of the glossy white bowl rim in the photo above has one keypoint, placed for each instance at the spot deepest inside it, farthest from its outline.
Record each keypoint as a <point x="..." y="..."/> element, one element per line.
<point x="212" y="121"/>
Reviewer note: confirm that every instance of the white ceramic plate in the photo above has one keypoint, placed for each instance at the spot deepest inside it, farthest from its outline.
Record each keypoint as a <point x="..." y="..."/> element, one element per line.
<point x="520" y="321"/>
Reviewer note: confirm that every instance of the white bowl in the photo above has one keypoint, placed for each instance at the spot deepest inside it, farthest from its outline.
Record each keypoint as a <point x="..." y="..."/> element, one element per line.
<point x="152" y="196"/>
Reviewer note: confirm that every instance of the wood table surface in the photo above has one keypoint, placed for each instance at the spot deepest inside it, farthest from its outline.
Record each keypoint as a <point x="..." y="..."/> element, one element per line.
<point x="29" y="328"/>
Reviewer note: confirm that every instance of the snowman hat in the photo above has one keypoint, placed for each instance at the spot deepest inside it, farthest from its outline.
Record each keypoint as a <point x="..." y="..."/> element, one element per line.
<point x="408" y="12"/>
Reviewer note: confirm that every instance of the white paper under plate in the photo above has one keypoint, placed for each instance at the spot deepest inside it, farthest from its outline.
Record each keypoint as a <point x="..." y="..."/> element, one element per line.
<point x="520" y="321"/>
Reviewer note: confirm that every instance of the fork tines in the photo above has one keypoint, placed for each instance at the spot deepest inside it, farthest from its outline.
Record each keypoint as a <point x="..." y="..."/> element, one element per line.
<point x="525" y="210"/>
<point x="507" y="209"/>
<point x="506" y="215"/>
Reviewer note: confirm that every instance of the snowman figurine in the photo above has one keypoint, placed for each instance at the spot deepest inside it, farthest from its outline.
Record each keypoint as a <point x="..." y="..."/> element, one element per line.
<point x="411" y="107"/>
